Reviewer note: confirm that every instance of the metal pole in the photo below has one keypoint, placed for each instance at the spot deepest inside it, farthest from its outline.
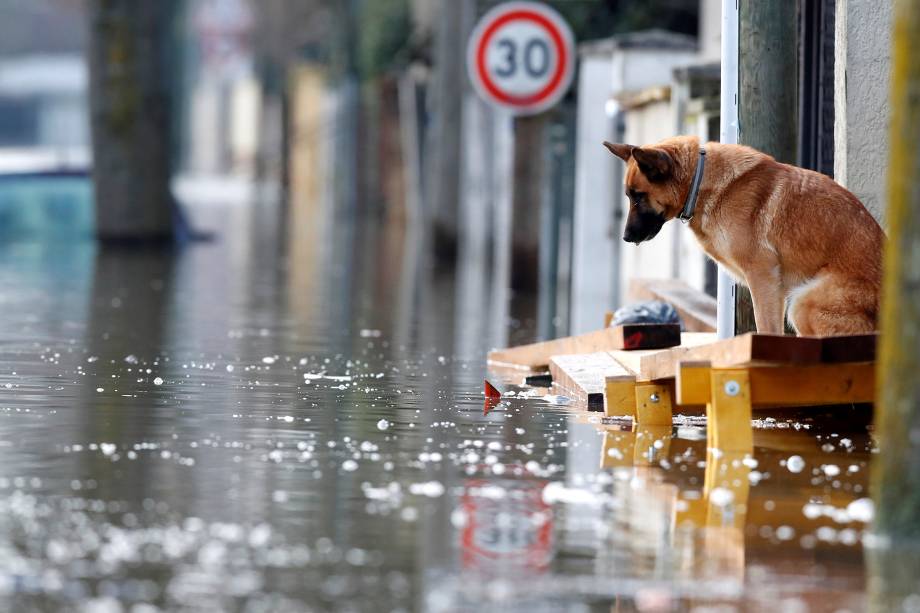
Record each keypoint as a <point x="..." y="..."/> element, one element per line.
<point x="616" y="130"/>
<point x="725" y="294"/>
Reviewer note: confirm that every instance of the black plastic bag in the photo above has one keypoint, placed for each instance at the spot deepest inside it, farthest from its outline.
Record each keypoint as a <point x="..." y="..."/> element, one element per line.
<point x="650" y="312"/>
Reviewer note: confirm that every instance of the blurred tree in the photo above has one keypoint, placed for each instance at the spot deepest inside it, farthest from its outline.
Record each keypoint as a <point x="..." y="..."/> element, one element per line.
<point x="591" y="19"/>
<point x="131" y="74"/>
<point x="386" y="30"/>
<point x="285" y="33"/>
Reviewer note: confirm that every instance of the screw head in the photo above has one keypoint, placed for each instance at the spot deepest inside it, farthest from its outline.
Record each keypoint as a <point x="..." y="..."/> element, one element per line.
<point x="732" y="388"/>
<point x="654" y="398"/>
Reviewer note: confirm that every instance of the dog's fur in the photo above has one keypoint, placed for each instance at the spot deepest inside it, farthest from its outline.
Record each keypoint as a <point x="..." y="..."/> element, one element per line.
<point x="793" y="236"/>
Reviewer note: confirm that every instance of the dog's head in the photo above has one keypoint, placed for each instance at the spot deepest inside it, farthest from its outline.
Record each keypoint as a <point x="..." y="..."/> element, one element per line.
<point x="655" y="180"/>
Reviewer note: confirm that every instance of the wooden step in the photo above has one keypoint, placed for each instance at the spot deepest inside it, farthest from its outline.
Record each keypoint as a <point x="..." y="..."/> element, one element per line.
<point x="632" y="336"/>
<point x="632" y="360"/>
<point x="697" y="309"/>
<point x="584" y="377"/>
<point x="856" y="348"/>
<point x="738" y="351"/>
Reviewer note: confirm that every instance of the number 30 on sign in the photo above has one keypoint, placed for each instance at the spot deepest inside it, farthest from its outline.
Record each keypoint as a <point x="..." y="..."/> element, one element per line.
<point x="521" y="57"/>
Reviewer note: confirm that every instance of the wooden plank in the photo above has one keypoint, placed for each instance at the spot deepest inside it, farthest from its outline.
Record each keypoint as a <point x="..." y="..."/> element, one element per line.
<point x="857" y="348"/>
<point x="537" y="355"/>
<point x="632" y="360"/>
<point x="697" y="309"/>
<point x="737" y="351"/>
<point x="584" y="377"/>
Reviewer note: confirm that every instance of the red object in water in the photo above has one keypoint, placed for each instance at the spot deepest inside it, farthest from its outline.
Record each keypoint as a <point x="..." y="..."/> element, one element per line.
<point x="491" y="392"/>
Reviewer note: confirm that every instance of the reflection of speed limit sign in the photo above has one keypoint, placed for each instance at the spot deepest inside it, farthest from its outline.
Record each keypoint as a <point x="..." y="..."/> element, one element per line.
<point x="522" y="57"/>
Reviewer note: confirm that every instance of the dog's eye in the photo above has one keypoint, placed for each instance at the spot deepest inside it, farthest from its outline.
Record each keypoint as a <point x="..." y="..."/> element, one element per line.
<point x="638" y="197"/>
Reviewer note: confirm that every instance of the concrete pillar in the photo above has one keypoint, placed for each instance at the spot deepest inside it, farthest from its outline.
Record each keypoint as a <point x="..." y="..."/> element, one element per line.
<point x="131" y="107"/>
<point x="442" y="193"/>
<point x="861" y="108"/>
<point x="595" y="181"/>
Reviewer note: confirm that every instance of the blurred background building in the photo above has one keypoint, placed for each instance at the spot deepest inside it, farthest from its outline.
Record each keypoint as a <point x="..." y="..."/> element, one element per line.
<point x="307" y="111"/>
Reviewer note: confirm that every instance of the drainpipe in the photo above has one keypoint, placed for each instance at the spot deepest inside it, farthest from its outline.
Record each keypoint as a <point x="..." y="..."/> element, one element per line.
<point x="725" y="294"/>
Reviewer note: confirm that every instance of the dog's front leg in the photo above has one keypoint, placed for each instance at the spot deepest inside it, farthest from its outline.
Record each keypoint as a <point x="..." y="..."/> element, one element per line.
<point x="767" y="295"/>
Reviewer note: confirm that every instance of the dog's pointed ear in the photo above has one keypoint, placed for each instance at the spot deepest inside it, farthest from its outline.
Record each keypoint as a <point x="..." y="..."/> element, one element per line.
<point x="654" y="163"/>
<point x="624" y="152"/>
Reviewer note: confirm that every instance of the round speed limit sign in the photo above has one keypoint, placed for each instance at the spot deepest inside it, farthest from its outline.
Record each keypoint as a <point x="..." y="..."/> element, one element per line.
<point x="521" y="56"/>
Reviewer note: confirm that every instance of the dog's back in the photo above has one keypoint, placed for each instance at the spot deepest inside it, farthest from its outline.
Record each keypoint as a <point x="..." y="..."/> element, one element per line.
<point x="827" y="245"/>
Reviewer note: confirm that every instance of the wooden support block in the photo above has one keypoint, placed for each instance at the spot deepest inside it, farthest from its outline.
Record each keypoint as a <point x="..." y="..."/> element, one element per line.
<point x="737" y="351"/>
<point x="584" y="377"/>
<point x="542" y="379"/>
<point x="693" y="381"/>
<point x="728" y="415"/>
<point x="813" y="385"/>
<point x="633" y="336"/>
<point x="653" y="405"/>
<point x="790" y="386"/>
<point x="620" y="396"/>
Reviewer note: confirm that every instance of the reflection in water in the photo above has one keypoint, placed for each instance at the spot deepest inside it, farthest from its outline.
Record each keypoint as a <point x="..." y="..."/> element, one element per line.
<point x="291" y="418"/>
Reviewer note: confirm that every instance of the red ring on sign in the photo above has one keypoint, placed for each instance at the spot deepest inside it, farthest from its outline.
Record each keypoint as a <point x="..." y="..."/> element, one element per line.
<point x="544" y="93"/>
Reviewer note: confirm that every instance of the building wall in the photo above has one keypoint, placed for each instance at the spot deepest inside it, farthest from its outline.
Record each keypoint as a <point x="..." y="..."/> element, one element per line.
<point x="593" y="255"/>
<point x="674" y="253"/>
<point x="862" y="66"/>
<point x="634" y="70"/>
<point x="600" y="274"/>
<point x="52" y="88"/>
<point x="710" y="30"/>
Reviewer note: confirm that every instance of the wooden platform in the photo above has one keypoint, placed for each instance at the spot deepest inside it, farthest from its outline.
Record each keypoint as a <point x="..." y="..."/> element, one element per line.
<point x="729" y="378"/>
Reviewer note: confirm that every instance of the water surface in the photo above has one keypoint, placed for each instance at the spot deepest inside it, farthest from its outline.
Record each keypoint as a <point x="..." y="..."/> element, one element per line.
<point x="292" y="420"/>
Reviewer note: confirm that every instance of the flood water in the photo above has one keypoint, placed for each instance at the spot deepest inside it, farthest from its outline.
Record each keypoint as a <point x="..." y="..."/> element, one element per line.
<point x="293" y="421"/>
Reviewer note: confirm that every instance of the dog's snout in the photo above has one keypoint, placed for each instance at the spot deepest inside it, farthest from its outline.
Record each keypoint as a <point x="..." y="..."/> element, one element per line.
<point x="642" y="225"/>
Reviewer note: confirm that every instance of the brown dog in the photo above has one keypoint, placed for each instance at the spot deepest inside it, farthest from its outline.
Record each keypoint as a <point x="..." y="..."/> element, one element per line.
<point x="791" y="235"/>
